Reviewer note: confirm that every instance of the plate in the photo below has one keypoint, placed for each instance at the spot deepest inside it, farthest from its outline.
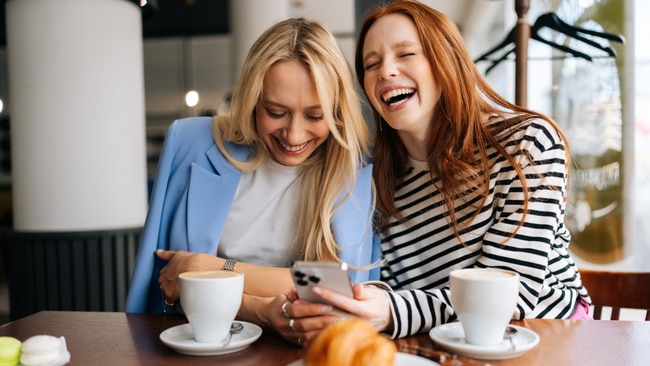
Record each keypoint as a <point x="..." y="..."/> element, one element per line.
<point x="401" y="359"/>
<point x="181" y="339"/>
<point x="452" y="337"/>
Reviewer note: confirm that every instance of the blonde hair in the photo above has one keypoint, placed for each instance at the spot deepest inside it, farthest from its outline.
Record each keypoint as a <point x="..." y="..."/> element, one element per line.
<point x="331" y="171"/>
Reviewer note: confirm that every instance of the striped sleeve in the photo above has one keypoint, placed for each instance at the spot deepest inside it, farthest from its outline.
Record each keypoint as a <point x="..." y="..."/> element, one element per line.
<point x="538" y="251"/>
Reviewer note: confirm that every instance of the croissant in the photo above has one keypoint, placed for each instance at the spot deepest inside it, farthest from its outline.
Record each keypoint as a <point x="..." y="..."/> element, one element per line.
<point x="350" y="342"/>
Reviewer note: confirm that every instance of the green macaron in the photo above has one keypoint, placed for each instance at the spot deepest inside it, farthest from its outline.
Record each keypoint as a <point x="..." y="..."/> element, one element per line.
<point x="9" y="351"/>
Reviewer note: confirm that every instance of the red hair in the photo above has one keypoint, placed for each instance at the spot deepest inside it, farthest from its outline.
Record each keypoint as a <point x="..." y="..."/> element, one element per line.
<point x="459" y="135"/>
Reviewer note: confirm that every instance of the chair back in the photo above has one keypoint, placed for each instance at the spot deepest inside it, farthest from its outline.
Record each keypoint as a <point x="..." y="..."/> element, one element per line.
<point x="629" y="290"/>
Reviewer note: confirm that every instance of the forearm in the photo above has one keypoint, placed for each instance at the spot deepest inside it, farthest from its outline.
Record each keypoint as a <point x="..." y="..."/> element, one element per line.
<point x="408" y="322"/>
<point x="258" y="280"/>
<point x="254" y="309"/>
<point x="264" y="281"/>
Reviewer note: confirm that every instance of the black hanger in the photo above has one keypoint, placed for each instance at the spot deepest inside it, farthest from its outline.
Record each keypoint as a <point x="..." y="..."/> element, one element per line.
<point x="552" y="21"/>
<point x="498" y="60"/>
<point x="510" y="39"/>
<point x="533" y="35"/>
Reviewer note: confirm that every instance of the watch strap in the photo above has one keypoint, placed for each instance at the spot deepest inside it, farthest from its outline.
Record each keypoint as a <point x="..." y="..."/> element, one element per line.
<point x="229" y="265"/>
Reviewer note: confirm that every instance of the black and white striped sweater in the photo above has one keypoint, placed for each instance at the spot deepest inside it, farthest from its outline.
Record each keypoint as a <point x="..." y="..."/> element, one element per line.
<point x="419" y="254"/>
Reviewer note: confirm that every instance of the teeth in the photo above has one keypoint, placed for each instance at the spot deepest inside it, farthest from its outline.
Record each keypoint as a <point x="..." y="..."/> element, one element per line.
<point x="293" y="148"/>
<point x="395" y="92"/>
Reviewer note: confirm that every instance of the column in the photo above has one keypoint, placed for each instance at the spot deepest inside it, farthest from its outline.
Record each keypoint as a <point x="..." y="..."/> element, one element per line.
<point x="248" y="20"/>
<point x="76" y="86"/>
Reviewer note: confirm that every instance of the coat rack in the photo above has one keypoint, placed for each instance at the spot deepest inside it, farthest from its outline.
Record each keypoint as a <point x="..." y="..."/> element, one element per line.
<point x="522" y="34"/>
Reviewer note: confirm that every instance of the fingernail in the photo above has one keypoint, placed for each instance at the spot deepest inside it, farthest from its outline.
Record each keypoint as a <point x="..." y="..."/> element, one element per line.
<point x="317" y="290"/>
<point x="326" y="308"/>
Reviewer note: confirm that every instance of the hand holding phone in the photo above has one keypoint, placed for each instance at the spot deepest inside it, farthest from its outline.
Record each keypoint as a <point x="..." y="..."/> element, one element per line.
<point x="333" y="276"/>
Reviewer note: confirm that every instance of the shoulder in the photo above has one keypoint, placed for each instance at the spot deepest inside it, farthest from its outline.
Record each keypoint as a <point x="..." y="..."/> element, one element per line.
<point x="188" y="137"/>
<point x="192" y="127"/>
<point x="195" y="134"/>
<point x="363" y="181"/>
<point x="544" y="132"/>
<point x="532" y="133"/>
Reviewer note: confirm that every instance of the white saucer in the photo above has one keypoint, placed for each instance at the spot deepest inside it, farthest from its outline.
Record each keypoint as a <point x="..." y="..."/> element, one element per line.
<point x="401" y="359"/>
<point x="181" y="339"/>
<point x="452" y="337"/>
<point x="407" y="359"/>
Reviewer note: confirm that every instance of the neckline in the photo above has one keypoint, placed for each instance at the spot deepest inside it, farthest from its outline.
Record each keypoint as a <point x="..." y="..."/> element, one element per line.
<point x="419" y="165"/>
<point x="284" y="169"/>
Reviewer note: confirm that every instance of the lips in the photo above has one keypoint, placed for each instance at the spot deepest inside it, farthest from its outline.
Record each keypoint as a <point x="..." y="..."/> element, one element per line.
<point x="395" y="97"/>
<point x="293" y="149"/>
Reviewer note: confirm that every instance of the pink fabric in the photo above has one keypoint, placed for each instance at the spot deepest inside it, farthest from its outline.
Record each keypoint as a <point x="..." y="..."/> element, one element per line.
<point x="582" y="311"/>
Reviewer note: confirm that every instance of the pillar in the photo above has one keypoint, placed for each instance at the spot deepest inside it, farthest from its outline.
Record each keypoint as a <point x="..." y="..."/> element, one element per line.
<point x="248" y="20"/>
<point x="76" y="86"/>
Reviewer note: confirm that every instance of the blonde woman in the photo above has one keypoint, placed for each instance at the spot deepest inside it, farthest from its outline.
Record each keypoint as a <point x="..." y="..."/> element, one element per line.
<point x="279" y="176"/>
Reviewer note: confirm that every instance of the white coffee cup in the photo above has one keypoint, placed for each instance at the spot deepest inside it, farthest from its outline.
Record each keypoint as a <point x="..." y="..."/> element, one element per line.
<point x="484" y="300"/>
<point x="211" y="300"/>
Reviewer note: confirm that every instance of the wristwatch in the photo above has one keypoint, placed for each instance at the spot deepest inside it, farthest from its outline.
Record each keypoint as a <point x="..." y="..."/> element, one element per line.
<point x="229" y="265"/>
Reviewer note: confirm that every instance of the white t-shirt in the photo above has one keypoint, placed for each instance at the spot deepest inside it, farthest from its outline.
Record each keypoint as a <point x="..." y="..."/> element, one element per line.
<point x="261" y="224"/>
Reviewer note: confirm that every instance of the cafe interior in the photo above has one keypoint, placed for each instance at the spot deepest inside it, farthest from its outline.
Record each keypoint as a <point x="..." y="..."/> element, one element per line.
<point x="89" y="88"/>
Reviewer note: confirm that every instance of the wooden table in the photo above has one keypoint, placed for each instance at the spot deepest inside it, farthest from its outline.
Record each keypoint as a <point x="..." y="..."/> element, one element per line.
<point x="99" y="338"/>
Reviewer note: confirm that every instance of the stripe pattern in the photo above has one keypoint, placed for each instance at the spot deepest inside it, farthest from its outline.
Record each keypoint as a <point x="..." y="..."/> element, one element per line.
<point x="420" y="253"/>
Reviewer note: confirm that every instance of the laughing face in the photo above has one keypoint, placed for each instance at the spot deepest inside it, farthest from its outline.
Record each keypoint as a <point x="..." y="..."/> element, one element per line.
<point x="289" y="117"/>
<point x="398" y="77"/>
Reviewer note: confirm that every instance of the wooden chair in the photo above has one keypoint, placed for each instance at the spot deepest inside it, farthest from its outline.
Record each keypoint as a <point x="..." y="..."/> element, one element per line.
<point x="629" y="290"/>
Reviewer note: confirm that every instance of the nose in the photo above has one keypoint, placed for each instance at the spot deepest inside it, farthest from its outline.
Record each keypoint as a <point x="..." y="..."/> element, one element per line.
<point x="388" y="69"/>
<point x="295" y="130"/>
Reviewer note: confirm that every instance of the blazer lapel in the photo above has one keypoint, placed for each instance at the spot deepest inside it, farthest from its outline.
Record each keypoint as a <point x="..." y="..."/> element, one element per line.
<point x="209" y="197"/>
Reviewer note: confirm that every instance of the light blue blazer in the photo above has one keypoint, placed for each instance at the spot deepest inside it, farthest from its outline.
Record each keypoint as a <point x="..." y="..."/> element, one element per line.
<point x="191" y="198"/>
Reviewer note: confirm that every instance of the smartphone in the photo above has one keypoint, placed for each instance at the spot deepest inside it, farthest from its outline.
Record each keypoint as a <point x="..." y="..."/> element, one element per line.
<point x="333" y="276"/>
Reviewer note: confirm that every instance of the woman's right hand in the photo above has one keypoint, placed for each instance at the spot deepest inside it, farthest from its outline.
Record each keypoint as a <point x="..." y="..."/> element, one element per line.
<point x="179" y="262"/>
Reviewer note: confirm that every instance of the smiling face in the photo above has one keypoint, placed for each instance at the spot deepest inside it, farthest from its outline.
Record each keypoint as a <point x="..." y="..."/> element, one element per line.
<point x="398" y="77"/>
<point x="289" y="117"/>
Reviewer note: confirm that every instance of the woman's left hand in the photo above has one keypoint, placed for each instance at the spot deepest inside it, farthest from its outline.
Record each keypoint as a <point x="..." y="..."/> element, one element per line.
<point x="369" y="303"/>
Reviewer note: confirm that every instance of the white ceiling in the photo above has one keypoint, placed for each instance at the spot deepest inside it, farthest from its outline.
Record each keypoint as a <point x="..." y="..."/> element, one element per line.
<point x="475" y="18"/>
<point x="455" y="9"/>
<point x="471" y="16"/>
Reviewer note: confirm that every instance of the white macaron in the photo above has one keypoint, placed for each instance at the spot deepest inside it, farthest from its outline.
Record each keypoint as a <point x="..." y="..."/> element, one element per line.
<point x="44" y="350"/>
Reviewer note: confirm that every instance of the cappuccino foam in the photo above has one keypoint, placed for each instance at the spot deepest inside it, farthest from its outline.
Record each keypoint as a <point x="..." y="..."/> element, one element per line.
<point x="482" y="273"/>
<point x="210" y="274"/>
